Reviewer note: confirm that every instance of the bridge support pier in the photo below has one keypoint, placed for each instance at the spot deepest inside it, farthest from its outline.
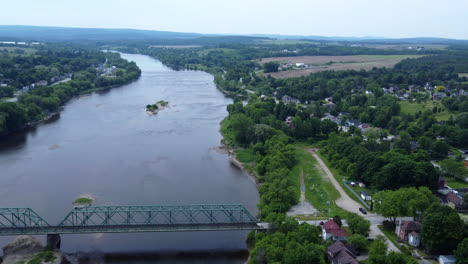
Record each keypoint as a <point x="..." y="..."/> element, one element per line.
<point x="53" y="241"/>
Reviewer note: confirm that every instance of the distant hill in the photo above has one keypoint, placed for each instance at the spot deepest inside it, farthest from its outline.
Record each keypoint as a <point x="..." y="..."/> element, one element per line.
<point x="57" y="34"/>
<point x="64" y="34"/>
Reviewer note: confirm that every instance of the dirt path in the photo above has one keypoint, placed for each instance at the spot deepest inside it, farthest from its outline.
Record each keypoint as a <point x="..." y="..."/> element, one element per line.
<point x="303" y="207"/>
<point x="344" y="201"/>
<point x="350" y="205"/>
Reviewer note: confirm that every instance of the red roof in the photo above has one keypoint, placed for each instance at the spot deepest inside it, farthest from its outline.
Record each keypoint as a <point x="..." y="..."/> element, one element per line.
<point x="414" y="234"/>
<point x="331" y="227"/>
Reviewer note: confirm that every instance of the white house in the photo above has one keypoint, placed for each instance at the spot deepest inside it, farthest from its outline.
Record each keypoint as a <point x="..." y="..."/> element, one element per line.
<point x="447" y="259"/>
<point x="300" y="64"/>
<point x="413" y="239"/>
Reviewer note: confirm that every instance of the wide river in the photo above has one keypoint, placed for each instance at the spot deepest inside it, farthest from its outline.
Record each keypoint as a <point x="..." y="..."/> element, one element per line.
<point x="107" y="146"/>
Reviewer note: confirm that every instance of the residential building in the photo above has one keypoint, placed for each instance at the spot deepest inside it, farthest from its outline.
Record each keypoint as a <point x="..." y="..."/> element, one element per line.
<point x="455" y="201"/>
<point x="413" y="239"/>
<point x="332" y="231"/>
<point x="340" y="253"/>
<point x="404" y="228"/>
<point x="447" y="259"/>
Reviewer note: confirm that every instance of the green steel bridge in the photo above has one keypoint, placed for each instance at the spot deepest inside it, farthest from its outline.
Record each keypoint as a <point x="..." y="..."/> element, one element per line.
<point x="124" y="219"/>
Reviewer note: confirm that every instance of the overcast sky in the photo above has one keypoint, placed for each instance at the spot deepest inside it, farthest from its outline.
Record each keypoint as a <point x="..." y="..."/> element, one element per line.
<point x="386" y="18"/>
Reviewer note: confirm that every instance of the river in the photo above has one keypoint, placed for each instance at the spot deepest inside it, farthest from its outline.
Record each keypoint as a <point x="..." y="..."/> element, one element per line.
<point x="106" y="145"/>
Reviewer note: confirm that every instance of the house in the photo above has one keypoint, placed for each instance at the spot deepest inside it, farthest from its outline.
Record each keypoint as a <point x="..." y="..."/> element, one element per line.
<point x="455" y="201"/>
<point x="340" y="253"/>
<point x="413" y="239"/>
<point x="332" y="231"/>
<point x="41" y="83"/>
<point x="438" y="96"/>
<point x="404" y="228"/>
<point x="447" y="259"/>
<point x="300" y="64"/>
<point x="365" y="196"/>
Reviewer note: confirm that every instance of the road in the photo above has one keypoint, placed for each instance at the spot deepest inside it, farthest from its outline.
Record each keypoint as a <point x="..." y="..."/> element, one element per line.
<point x="351" y="205"/>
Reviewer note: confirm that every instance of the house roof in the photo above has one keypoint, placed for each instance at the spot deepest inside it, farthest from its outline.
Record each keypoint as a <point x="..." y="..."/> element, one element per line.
<point x="414" y="234"/>
<point x="344" y="257"/>
<point x="338" y="233"/>
<point x="454" y="198"/>
<point x="409" y="226"/>
<point x="331" y="225"/>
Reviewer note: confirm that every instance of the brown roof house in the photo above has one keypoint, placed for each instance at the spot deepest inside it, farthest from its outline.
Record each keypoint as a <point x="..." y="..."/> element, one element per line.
<point x="404" y="228"/>
<point x="332" y="231"/>
<point x="455" y="201"/>
<point x="340" y="253"/>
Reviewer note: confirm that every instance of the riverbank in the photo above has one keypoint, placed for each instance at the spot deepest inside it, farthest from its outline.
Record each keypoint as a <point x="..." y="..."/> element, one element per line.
<point x="54" y="114"/>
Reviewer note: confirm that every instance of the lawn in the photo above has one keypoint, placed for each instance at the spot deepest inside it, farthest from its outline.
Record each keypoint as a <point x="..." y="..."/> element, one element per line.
<point x="455" y="183"/>
<point x="407" y="107"/>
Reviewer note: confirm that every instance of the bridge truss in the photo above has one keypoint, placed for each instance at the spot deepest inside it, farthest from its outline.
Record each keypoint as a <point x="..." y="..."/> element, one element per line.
<point x="119" y="219"/>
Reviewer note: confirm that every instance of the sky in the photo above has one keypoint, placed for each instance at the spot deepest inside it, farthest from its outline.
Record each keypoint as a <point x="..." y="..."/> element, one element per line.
<point x="358" y="18"/>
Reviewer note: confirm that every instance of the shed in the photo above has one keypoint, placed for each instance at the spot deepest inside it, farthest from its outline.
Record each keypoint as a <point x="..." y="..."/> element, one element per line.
<point x="365" y="196"/>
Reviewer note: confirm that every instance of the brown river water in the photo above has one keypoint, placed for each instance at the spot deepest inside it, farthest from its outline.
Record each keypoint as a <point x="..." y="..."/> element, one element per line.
<point x="105" y="145"/>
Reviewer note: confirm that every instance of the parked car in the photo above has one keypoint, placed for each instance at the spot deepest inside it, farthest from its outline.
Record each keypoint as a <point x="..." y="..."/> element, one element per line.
<point x="363" y="210"/>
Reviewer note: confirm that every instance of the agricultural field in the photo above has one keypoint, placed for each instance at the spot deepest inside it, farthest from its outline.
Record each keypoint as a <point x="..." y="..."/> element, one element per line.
<point x="407" y="107"/>
<point x="405" y="46"/>
<point x="283" y="42"/>
<point x="175" y="46"/>
<point x="335" y="63"/>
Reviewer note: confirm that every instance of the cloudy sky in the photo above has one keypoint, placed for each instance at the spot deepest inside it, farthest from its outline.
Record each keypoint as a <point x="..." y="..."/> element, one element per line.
<point x="386" y="18"/>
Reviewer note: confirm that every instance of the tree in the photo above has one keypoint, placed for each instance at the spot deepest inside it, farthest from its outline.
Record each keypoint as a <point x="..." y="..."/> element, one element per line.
<point x="271" y="66"/>
<point x="441" y="229"/>
<point x="461" y="253"/>
<point x="337" y="220"/>
<point x="403" y="202"/>
<point x="358" y="224"/>
<point x="359" y="241"/>
<point x="462" y="120"/>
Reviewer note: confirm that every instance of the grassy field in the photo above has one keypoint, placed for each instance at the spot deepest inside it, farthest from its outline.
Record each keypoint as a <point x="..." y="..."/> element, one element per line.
<point x="455" y="183"/>
<point x="11" y="50"/>
<point x="245" y="155"/>
<point x="319" y="190"/>
<point x="463" y="75"/>
<point x="413" y="108"/>
<point x="335" y="63"/>
<point x="405" y="46"/>
<point x="176" y="46"/>
<point x="206" y="51"/>
<point x="283" y="41"/>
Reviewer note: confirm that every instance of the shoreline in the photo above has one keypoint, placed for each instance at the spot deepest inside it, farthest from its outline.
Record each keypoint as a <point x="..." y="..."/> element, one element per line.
<point x="33" y="124"/>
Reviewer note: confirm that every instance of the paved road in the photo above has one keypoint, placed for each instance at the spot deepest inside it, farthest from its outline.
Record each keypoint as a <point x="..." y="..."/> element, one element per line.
<point x="351" y="205"/>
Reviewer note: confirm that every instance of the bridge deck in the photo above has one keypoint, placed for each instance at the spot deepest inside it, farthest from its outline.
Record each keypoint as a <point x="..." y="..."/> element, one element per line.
<point x="123" y="219"/>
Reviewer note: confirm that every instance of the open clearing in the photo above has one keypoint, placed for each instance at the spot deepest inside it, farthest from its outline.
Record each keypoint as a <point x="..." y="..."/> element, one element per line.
<point x="335" y="63"/>
<point x="463" y="75"/>
<point x="412" y="108"/>
<point x="12" y="50"/>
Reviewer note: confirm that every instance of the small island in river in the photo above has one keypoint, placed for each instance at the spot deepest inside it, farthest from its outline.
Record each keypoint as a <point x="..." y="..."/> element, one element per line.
<point x="152" y="109"/>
